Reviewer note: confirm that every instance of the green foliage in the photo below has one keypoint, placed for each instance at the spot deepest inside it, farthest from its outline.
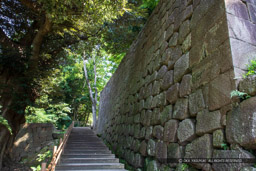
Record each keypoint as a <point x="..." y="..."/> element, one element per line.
<point x="55" y="114"/>
<point x="149" y="4"/>
<point x="4" y="122"/>
<point x="251" y="68"/>
<point x="224" y="146"/>
<point x="241" y="95"/>
<point x="184" y="166"/>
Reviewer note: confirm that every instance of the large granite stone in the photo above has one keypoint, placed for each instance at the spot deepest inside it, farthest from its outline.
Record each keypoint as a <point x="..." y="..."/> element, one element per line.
<point x="166" y="114"/>
<point x="231" y="154"/>
<point x="248" y="85"/>
<point x="151" y="148"/>
<point x="161" y="151"/>
<point x="172" y="93"/>
<point x="146" y="117"/>
<point x="181" y="109"/>
<point x="143" y="148"/>
<point x="252" y="11"/>
<point x="196" y="102"/>
<point x="186" y="131"/>
<point x="186" y="45"/>
<point x="241" y="123"/>
<point x="181" y="67"/>
<point x="185" y="85"/>
<point x="174" y="151"/>
<point x="152" y="166"/>
<point x="200" y="148"/>
<point x="167" y="80"/>
<point x="174" y="40"/>
<point x="156" y="117"/>
<point x="149" y="132"/>
<point x="184" y="31"/>
<point x="156" y="88"/>
<point x="207" y="121"/>
<point x="237" y="8"/>
<point x="175" y="55"/>
<point x="158" y="132"/>
<point x="138" y="160"/>
<point x="218" y="138"/>
<point x="170" y="131"/>
<point x="161" y="72"/>
<point x="219" y="91"/>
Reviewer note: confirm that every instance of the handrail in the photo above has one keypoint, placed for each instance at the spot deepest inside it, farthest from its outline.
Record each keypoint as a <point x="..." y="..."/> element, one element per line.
<point x="58" y="152"/>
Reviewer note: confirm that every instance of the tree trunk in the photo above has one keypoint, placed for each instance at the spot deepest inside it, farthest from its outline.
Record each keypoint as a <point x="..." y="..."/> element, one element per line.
<point x="10" y="102"/>
<point x="94" y="102"/>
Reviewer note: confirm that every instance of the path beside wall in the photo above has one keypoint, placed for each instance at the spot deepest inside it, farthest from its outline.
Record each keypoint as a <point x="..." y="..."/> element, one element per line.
<point x="170" y="96"/>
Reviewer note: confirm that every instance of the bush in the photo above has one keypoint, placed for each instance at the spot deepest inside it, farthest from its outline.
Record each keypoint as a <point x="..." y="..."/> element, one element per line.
<point x="251" y="68"/>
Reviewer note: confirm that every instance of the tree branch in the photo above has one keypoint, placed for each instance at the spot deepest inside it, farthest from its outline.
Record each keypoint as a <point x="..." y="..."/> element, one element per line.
<point x="29" y="4"/>
<point x="38" y="40"/>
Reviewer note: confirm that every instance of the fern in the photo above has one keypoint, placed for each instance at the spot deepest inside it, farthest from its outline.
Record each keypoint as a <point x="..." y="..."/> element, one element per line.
<point x="241" y="95"/>
<point x="4" y="122"/>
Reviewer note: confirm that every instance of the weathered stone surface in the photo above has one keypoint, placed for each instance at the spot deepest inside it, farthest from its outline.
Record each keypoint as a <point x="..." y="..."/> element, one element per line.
<point x="174" y="40"/>
<point x="185" y="85"/>
<point x="137" y="130"/>
<point x="181" y="67"/>
<point x="166" y="114"/>
<point x="161" y="151"/>
<point x="152" y="166"/>
<point x="161" y="72"/>
<point x="184" y="31"/>
<point x="237" y="8"/>
<point x="174" y="151"/>
<point x="252" y="11"/>
<point x="151" y="148"/>
<point x="158" y="132"/>
<point x="146" y="117"/>
<point x="200" y="147"/>
<point x="156" y="117"/>
<point x="148" y="102"/>
<point x="196" y="102"/>
<point x="175" y="55"/>
<point x="149" y="132"/>
<point x="136" y="118"/>
<point x="207" y="121"/>
<point x="248" y="85"/>
<point x="218" y="138"/>
<point x="156" y="88"/>
<point x="219" y="91"/>
<point x="172" y="93"/>
<point x="169" y="32"/>
<point x="167" y="80"/>
<point x="181" y="109"/>
<point x="143" y="148"/>
<point x="170" y="131"/>
<point x="138" y="160"/>
<point x="186" y="131"/>
<point x="186" y="45"/>
<point x="231" y="154"/>
<point x="241" y="123"/>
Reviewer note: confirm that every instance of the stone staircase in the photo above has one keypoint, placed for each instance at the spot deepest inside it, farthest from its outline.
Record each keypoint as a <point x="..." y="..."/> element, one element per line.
<point x="85" y="151"/>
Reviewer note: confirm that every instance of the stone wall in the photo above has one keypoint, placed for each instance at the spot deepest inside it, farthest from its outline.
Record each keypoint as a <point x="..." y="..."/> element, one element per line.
<point x="170" y="96"/>
<point x="30" y="140"/>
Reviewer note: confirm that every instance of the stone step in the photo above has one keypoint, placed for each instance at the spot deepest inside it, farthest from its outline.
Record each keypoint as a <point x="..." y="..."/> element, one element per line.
<point x="90" y="160"/>
<point x="93" y="170"/>
<point x="86" y="148"/>
<point x="86" y="152"/>
<point x="85" y="145"/>
<point x="71" y="156"/>
<point x="84" y="166"/>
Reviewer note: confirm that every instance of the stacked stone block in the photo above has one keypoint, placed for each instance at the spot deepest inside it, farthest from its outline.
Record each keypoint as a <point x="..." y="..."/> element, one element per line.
<point x="170" y="96"/>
